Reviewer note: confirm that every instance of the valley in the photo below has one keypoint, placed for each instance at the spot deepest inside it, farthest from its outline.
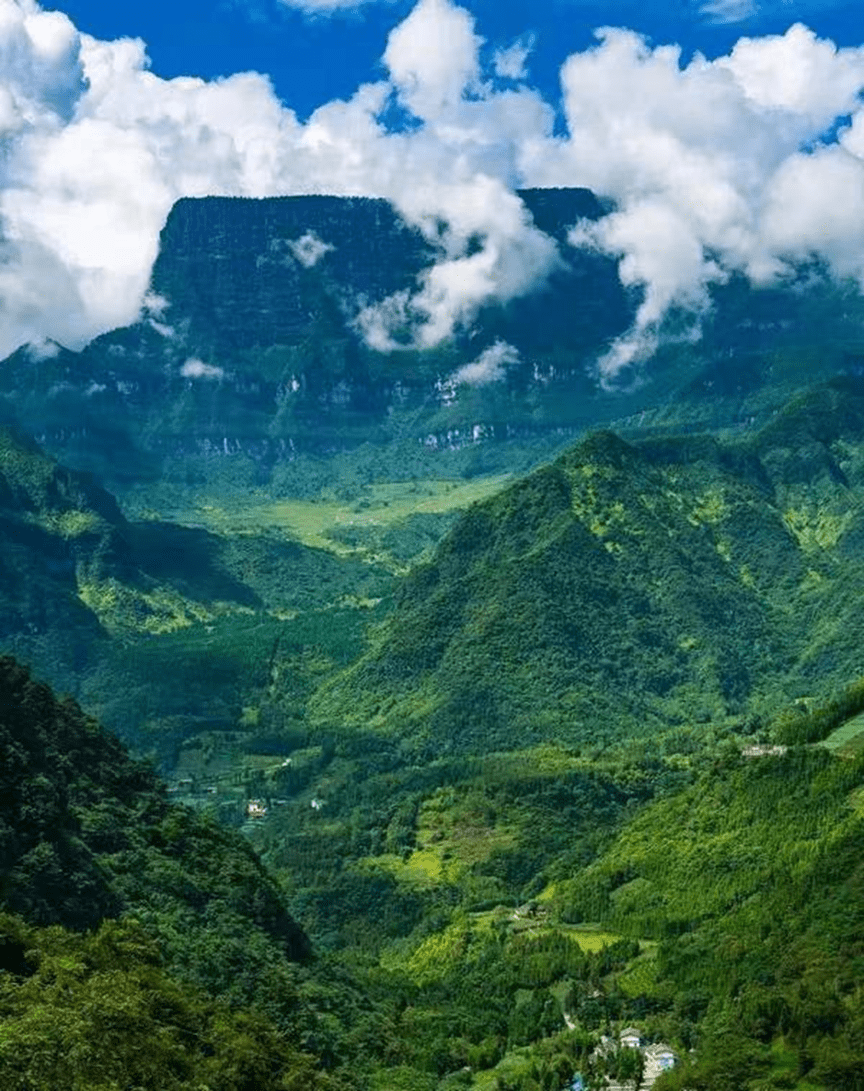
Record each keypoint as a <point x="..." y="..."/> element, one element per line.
<point x="539" y="701"/>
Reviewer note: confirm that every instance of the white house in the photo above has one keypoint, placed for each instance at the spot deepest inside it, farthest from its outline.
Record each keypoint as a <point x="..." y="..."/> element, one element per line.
<point x="764" y="750"/>
<point x="630" y="1038"/>
<point x="659" y="1058"/>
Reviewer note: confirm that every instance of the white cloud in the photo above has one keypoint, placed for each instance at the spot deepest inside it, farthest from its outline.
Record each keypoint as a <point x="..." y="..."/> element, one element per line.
<point x="799" y="73"/>
<point x="309" y="249"/>
<point x="155" y="305"/>
<point x="511" y="63"/>
<point x="489" y="367"/>
<point x="95" y="166"/>
<point x="461" y="167"/>
<point x="328" y="7"/>
<point x="659" y="252"/>
<point x="197" y="369"/>
<point x="41" y="65"/>
<point x="490" y="251"/>
<point x="714" y="166"/>
<point x="729" y="11"/>
<point x="43" y="350"/>
<point x="815" y="206"/>
<point x="433" y="57"/>
<point x="80" y="243"/>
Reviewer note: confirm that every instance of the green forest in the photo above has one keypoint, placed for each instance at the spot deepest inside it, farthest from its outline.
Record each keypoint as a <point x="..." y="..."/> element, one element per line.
<point x="362" y="731"/>
<point x="464" y="924"/>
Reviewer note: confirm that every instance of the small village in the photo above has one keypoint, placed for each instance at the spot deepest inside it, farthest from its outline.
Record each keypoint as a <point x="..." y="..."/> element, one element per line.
<point x="643" y="1062"/>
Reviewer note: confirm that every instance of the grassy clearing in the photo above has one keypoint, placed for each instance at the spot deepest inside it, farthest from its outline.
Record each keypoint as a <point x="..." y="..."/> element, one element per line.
<point x="546" y="759"/>
<point x="402" y="1079"/>
<point x="319" y="523"/>
<point x="640" y="977"/>
<point x="448" y="845"/>
<point x="460" y="835"/>
<point x="512" y="1066"/>
<point x="436" y="956"/>
<point x="847" y="740"/>
<point x="124" y="610"/>
<point x="421" y="870"/>
<point x="591" y="939"/>
<point x="783" y="1070"/>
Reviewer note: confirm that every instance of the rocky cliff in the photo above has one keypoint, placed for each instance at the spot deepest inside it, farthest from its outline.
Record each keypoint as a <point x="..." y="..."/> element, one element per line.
<point x="248" y="349"/>
<point x="248" y="344"/>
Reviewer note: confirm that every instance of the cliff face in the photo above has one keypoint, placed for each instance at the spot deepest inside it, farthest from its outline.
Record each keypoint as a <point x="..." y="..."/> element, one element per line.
<point x="254" y="274"/>
<point x="248" y="350"/>
<point x="283" y="271"/>
<point x="250" y="345"/>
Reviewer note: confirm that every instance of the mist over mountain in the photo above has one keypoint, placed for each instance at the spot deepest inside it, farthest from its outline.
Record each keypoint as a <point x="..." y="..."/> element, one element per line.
<point x="251" y="352"/>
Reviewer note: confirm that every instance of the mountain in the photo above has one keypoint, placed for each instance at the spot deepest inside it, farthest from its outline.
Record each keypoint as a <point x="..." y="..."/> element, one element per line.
<point x="88" y="828"/>
<point x="152" y="908"/>
<point x="247" y="369"/>
<point x="278" y="367"/>
<point x="90" y="598"/>
<point x="511" y="745"/>
<point x="750" y="881"/>
<point x="57" y="529"/>
<point x="628" y="587"/>
<point x="559" y="777"/>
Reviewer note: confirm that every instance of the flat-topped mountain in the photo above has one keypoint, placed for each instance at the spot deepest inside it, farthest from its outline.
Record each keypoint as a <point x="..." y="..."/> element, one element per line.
<point x="278" y="271"/>
<point x="249" y="344"/>
<point x="248" y="355"/>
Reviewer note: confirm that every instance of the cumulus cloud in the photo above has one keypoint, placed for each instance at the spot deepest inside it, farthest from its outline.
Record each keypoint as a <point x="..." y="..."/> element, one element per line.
<point x="197" y="369"/>
<point x="78" y="242"/>
<point x="99" y="151"/>
<point x="433" y="57"/>
<point x="41" y="64"/>
<point x="462" y="166"/>
<point x="714" y="166"/>
<point x="511" y="63"/>
<point x="490" y="250"/>
<point x="744" y="163"/>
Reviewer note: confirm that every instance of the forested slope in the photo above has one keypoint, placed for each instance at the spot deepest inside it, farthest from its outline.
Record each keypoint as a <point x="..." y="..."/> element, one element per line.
<point x="170" y="958"/>
<point x="631" y="586"/>
<point x="493" y="873"/>
<point x="160" y="627"/>
<point x="751" y="881"/>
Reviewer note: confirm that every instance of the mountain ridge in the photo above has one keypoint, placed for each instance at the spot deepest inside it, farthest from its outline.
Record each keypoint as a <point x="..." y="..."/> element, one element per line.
<point x="665" y="572"/>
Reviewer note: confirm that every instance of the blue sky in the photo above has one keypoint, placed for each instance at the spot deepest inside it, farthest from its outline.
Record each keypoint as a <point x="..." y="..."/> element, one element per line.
<point x="313" y="57"/>
<point x="726" y="135"/>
